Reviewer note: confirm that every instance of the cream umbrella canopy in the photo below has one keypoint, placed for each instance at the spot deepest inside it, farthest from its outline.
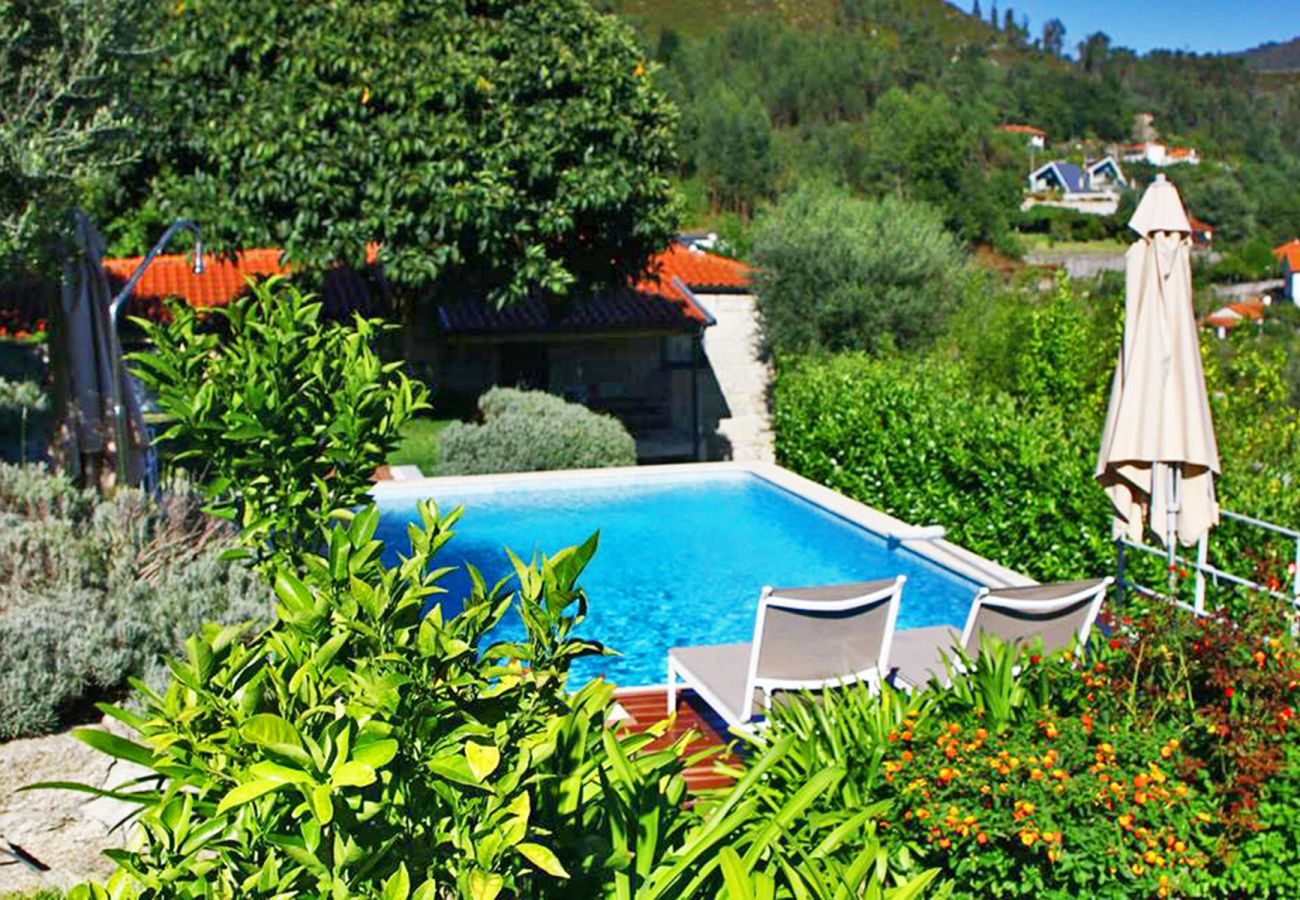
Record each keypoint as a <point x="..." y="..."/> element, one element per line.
<point x="1159" y="457"/>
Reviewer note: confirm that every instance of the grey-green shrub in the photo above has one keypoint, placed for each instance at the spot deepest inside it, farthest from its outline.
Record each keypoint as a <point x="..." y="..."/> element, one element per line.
<point x="532" y="431"/>
<point x="842" y="273"/>
<point x="95" y="591"/>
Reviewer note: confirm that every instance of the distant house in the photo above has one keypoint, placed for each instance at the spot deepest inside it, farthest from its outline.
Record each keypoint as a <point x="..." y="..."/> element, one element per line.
<point x="1104" y="173"/>
<point x="1202" y="232"/>
<point x="1226" y="318"/>
<point x="1036" y="137"/>
<point x="1090" y="188"/>
<point x="1288" y="258"/>
<point x="1157" y="154"/>
<point x="674" y="356"/>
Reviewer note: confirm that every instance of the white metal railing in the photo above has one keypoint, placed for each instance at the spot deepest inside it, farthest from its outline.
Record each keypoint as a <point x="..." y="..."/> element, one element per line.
<point x="1205" y="572"/>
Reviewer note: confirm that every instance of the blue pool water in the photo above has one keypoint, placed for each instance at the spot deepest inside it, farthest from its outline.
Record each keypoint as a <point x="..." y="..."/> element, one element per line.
<point x="682" y="558"/>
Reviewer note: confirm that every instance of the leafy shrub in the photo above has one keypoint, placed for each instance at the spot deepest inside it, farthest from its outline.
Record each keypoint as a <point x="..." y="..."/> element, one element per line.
<point x="838" y="273"/>
<point x="1232" y="681"/>
<point x="279" y="417"/>
<point x="1021" y="779"/>
<point x="359" y="748"/>
<point x="531" y="431"/>
<point x="922" y="443"/>
<point x="97" y="591"/>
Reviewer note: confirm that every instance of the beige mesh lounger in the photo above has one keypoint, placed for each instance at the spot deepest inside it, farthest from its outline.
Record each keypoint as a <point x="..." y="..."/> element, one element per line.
<point x="1059" y="614"/>
<point x="804" y="638"/>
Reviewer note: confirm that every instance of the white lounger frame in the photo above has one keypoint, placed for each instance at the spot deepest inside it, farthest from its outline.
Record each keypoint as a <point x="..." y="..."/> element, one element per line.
<point x="1043" y="606"/>
<point x="769" y="686"/>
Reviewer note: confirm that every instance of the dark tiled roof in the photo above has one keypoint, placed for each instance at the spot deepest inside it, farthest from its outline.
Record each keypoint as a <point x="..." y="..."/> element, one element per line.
<point x="655" y="307"/>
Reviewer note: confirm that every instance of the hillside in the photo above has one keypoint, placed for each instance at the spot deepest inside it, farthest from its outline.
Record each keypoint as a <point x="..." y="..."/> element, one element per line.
<point x="1274" y="57"/>
<point x="696" y="18"/>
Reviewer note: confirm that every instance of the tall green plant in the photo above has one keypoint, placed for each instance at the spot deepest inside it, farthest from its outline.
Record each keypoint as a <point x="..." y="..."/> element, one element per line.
<point x="280" y="416"/>
<point x="358" y="747"/>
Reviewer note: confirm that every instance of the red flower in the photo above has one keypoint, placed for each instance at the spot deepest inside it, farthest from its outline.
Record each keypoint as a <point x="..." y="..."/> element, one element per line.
<point x="1114" y="643"/>
<point x="1228" y="692"/>
<point x="1035" y="659"/>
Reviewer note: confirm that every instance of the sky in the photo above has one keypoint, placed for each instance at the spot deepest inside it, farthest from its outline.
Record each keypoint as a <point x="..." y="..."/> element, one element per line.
<point x="1203" y="26"/>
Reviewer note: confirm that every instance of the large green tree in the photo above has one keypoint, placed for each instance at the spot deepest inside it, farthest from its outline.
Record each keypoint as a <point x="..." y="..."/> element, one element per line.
<point x="65" y="122"/>
<point x="495" y="147"/>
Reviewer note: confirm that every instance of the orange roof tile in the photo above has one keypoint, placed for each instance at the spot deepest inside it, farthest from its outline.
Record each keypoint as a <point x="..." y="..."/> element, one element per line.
<point x="1023" y="129"/>
<point x="1249" y="309"/>
<point x="1289" y="253"/>
<point x="226" y="278"/>
<point x="698" y="269"/>
<point x="172" y="275"/>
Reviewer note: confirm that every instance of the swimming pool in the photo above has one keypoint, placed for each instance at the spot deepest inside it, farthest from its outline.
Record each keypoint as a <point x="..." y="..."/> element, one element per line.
<point x="684" y="552"/>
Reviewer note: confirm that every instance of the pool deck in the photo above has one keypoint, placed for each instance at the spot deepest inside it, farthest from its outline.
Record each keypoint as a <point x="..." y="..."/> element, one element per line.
<point x="646" y="706"/>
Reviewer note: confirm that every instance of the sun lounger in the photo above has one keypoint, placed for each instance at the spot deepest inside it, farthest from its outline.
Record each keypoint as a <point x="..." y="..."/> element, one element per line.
<point x="804" y="638"/>
<point x="1059" y="614"/>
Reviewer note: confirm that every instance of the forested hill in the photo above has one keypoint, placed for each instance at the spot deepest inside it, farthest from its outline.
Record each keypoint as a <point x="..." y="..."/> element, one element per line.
<point x="1275" y="57"/>
<point x="905" y="96"/>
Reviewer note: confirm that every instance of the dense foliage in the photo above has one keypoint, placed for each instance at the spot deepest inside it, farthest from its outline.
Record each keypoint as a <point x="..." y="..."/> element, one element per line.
<point x="66" y="124"/>
<point x="279" y="416"/>
<point x="369" y="744"/>
<point x="533" y="431"/>
<point x="839" y="273"/>
<point x="1155" y="765"/>
<point x="503" y="146"/>
<point x="994" y="433"/>
<point x="96" y="591"/>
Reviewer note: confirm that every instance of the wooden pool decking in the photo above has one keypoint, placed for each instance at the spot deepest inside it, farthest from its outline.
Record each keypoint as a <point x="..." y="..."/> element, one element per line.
<point x="646" y="706"/>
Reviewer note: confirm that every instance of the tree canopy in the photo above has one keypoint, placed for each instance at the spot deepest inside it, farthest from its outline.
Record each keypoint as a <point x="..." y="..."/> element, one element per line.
<point x="839" y="273"/>
<point x="497" y="147"/>
<point x="65" y="123"/>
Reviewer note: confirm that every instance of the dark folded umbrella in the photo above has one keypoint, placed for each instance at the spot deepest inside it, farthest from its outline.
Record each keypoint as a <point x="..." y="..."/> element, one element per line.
<point x="83" y="364"/>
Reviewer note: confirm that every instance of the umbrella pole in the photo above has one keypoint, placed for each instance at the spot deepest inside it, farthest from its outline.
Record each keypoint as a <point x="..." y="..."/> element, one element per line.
<point x="1171" y="530"/>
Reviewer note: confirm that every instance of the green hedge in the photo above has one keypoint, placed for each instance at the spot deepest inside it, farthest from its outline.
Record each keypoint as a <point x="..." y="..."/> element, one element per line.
<point x="532" y="431"/>
<point x="96" y="591"/>
<point x="919" y="442"/>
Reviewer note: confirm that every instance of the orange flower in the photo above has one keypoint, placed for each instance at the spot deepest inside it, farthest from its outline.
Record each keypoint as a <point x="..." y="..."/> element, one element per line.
<point x="981" y="838"/>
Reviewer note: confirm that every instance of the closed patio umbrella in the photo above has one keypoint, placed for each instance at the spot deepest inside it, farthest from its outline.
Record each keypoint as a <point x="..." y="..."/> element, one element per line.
<point x="1158" y="455"/>
<point x="83" y="365"/>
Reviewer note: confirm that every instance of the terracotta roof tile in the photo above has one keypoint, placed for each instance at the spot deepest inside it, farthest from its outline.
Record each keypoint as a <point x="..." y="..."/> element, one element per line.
<point x="1289" y="254"/>
<point x="655" y="301"/>
<point x="699" y="270"/>
<point x="1023" y="129"/>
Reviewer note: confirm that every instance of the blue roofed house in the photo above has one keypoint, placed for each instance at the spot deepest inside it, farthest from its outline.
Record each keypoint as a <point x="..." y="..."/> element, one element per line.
<point x="1091" y="188"/>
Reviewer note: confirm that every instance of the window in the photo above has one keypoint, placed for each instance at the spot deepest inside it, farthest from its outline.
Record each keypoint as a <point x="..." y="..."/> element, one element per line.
<point x="678" y="351"/>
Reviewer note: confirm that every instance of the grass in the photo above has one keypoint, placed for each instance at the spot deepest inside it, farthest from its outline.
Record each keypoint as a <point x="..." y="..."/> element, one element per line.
<point x="1040" y="242"/>
<point x="419" y="444"/>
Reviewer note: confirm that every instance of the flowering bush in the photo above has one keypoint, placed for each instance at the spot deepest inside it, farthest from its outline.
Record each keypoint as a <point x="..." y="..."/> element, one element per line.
<point x="1049" y="806"/>
<point x="1154" y="765"/>
<point x="1231" y="682"/>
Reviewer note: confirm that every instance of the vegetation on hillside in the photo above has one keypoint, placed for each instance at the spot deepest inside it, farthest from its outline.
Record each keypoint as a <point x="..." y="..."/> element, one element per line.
<point x="905" y="96"/>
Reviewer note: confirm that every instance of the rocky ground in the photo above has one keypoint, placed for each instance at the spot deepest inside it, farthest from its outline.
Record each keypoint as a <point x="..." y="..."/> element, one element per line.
<point x="64" y="830"/>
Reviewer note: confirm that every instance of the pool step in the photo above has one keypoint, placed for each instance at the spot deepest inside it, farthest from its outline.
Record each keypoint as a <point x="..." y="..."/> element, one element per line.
<point x="645" y="707"/>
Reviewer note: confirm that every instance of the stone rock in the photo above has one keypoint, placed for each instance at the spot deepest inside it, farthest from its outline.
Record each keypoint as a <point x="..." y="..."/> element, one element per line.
<point x="66" y="830"/>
